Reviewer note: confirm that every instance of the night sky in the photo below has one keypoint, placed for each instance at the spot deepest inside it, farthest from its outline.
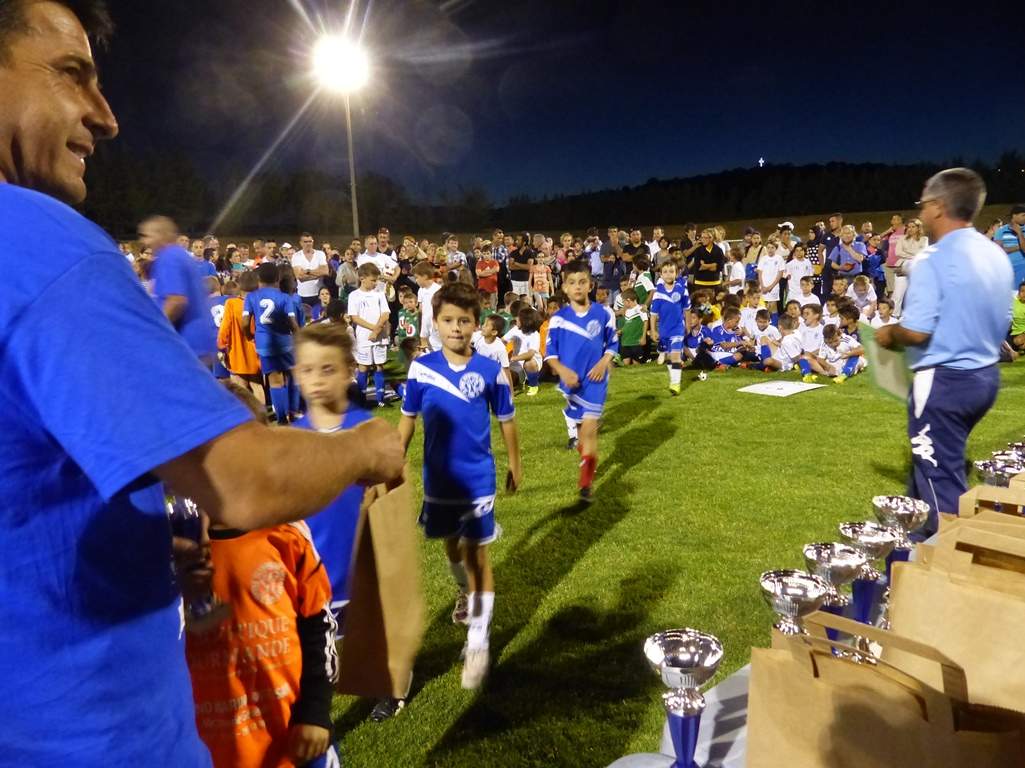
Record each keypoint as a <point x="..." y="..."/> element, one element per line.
<point x="547" y="97"/>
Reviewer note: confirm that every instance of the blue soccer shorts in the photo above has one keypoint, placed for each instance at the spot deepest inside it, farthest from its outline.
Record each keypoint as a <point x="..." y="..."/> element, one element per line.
<point x="282" y="362"/>
<point x="587" y="401"/>
<point x="675" y="344"/>
<point x="472" y="520"/>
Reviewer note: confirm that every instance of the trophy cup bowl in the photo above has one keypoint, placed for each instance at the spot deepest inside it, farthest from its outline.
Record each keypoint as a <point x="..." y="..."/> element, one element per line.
<point x="792" y="595"/>
<point x="1017" y="450"/>
<point x="839" y="564"/>
<point x="874" y="540"/>
<point x="685" y="659"/>
<point x="903" y="514"/>
<point x="999" y="471"/>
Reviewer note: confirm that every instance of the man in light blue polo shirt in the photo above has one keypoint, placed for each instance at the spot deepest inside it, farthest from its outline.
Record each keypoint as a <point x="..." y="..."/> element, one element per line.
<point x="956" y="315"/>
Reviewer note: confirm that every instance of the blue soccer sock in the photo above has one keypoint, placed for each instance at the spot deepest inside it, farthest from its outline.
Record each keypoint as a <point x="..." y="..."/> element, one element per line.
<point x="533" y="378"/>
<point x="766" y="353"/>
<point x="805" y="367"/>
<point x="774" y="318"/>
<point x="850" y="367"/>
<point x="379" y="385"/>
<point x="279" y="399"/>
<point x="293" y="396"/>
<point x="361" y="381"/>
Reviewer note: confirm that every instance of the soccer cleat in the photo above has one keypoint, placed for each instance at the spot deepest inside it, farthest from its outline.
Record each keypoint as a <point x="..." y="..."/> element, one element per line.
<point x="571" y="444"/>
<point x="461" y="613"/>
<point x="809" y="378"/>
<point x="585" y="494"/>
<point x="382" y="404"/>
<point x="674" y="389"/>
<point x="840" y="379"/>
<point x="531" y="391"/>
<point x="661" y="358"/>
<point x="475" y="668"/>
<point x="387" y="708"/>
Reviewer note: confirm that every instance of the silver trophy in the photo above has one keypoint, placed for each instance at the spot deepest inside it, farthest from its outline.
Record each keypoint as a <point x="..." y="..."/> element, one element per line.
<point x="873" y="540"/>
<point x="793" y="595"/>
<point x="838" y="564"/>
<point x="1000" y="469"/>
<point x="903" y="514"/>
<point x="1016" y="449"/>
<point x="685" y="659"/>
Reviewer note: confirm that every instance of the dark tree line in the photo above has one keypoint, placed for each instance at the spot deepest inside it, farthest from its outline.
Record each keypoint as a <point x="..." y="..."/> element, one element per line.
<point x="126" y="187"/>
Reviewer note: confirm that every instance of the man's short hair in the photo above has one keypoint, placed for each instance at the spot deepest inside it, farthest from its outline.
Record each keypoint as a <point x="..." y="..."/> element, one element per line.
<point x="962" y="191"/>
<point x="91" y="14"/>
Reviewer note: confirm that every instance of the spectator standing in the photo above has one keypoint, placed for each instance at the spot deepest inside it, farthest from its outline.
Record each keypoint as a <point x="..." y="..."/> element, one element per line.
<point x="908" y="248"/>
<point x="310" y="265"/>
<point x="891" y="237"/>
<point x="1011" y="237"/>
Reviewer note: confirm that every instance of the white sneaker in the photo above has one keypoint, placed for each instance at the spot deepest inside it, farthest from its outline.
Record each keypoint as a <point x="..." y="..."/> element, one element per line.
<point x="475" y="668"/>
<point x="661" y="358"/>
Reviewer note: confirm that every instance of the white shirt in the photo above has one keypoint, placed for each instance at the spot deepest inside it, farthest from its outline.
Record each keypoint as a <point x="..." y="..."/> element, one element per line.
<point x="428" y="330"/>
<point x="369" y="306"/>
<point x="789" y="351"/>
<point x="653" y="249"/>
<point x="878" y="322"/>
<point x="811" y="338"/>
<point x="798" y="268"/>
<point x="495" y="350"/>
<point x="523" y="342"/>
<point x="747" y="320"/>
<point x="828" y="319"/>
<point x="385" y="263"/>
<point x="861" y="301"/>
<point x="454" y="258"/>
<point x="737" y="271"/>
<point x="771" y="332"/>
<point x="804" y="300"/>
<point x="309" y="288"/>
<point x="769" y="267"/>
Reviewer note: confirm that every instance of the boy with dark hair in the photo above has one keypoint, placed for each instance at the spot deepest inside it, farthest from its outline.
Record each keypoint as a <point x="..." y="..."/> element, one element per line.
<point x="671" y="299"/>
<point x="633" y="334"/>
<point x="456" y="391"/>
<point x="425" y="273"/>
<point x="581" y="344"/>
<point x="722" y="342"/>
<point x="274" y="321"/>
<point x="368" y="310"/>
<point x="525" y="357"/>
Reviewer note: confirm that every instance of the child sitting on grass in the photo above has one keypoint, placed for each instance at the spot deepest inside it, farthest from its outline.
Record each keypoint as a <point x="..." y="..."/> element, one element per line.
<point x="839" y="358"/>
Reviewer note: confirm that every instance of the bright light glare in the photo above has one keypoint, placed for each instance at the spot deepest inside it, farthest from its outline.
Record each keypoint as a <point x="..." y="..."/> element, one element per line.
<point x="340" y="65"/>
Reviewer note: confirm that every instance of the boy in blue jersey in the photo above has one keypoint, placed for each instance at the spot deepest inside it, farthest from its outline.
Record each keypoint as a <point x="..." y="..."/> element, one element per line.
<point x="456" y="391"/>
<point x="324" y="365"/>
<point x="671" y="299"/>
<point x="289" y="286"/>
<point x="581" y="343"/>
<point x="723" y="340"/>
<point x="275" y="322"/>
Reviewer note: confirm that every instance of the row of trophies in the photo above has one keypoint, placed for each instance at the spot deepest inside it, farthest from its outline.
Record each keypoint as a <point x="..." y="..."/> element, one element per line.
<point x="1001" y="466"/>
<point x="686" y="659"/>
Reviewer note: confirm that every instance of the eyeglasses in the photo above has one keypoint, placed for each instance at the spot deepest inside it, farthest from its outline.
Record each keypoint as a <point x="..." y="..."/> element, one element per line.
<point x="925" y="201"/>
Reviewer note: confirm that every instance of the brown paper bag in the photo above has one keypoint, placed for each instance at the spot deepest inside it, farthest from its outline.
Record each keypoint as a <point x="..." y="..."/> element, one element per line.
<point x="384" y="621"/>
<point x="971" y="612"/>
<point x="810" y="709"/>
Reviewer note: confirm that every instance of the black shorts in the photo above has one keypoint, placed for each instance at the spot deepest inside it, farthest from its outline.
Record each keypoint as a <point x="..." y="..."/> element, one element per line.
<point x="633" y="353"/>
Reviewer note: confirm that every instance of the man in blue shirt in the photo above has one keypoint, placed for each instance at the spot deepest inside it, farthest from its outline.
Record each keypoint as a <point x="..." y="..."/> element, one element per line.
<point x="95" y="414"/>
<point x="178" y="286"/>
<point x="1011" y="237"/>
<point x="956" y="315"/>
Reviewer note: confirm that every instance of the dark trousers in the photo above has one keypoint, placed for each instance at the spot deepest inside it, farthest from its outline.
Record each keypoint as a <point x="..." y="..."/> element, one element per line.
<point x="944" y="406"/>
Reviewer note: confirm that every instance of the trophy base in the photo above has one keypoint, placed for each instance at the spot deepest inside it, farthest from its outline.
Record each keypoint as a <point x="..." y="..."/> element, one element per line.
<point x="644" y="760"/>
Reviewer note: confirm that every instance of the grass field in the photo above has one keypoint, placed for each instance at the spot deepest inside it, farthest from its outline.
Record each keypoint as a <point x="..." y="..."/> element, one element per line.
<point x="696" y="496"/>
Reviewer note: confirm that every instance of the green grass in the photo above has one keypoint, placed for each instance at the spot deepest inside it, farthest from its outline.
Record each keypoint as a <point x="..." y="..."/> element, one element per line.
<point x="696" y="496"/>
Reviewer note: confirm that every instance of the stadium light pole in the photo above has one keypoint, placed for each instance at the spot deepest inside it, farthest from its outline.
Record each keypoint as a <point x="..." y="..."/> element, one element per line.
<point x="341" y="66"/>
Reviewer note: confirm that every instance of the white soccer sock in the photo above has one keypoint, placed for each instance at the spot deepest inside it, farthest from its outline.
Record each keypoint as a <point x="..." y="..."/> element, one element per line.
<point x="482" y="604"/>
<point x="674" y="375"/>
<point x="459" y="574"/>
<point x="571" y="426"/>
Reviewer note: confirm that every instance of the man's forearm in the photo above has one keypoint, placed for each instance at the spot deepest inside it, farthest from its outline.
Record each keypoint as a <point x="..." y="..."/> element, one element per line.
<point x="239" y="480"/>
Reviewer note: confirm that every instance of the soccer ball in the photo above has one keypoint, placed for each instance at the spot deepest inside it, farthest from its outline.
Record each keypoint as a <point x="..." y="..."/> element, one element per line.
<point x="702" y="375"/>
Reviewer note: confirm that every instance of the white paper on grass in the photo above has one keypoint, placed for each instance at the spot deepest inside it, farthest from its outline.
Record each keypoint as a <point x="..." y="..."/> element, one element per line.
<point x="779" y="388"/>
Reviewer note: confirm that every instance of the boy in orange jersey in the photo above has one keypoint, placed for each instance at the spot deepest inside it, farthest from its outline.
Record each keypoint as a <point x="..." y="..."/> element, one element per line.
<point x="240" y="351"/>
<point x="263" y="679"/>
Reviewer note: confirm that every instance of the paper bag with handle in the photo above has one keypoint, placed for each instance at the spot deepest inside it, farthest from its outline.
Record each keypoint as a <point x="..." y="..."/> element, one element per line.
<point x="808" y="708"/>
<point x="384" y="622"/>
<point x="970" y="604"/>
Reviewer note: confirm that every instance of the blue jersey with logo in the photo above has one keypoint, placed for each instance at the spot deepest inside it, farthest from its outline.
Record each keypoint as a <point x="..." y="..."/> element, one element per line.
<point x="92" y="652"/>
<point x="177" y="273"/>
<point x="271" y="309"/>
<point x="456" y="404"/>
<point x="580" y="341"/>
<point x="334" y="527"/>
<point x="669" y="304"/>
<point x="719" y="335"/>
<point x="217" y="310"/>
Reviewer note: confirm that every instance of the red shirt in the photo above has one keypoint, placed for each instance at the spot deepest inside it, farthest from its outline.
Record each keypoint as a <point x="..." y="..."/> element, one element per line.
<point x="488" y="284"/>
